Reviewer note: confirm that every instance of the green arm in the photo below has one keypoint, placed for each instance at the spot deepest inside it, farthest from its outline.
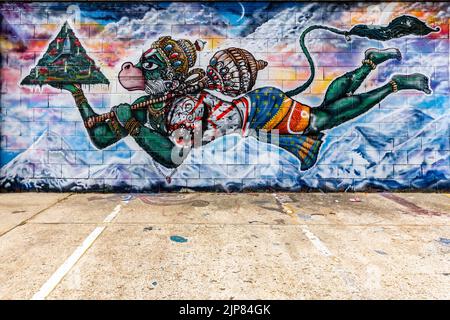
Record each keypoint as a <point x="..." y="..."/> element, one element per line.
<point x="159" y="147"/>
<point x="156" y="143"/>
<point x="102" y="134"/>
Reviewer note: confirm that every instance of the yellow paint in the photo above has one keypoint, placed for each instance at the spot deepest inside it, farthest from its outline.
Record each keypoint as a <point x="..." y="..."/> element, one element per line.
<point x="319" y="86"/>
<point x="48" y="27"/>
<point x="282" y="111"/>
<point x="5" y="45"/>
<point x="216" y="42"/>
<point x="280" y="73"/>
<point x="303" y="73"/>
<point x="363" y="18"/>
<point x="289" y="210"/>
<point x="331" y="73"/>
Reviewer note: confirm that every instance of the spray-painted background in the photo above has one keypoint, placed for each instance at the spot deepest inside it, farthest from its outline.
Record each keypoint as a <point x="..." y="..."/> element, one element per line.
<point x="401" y="143"/>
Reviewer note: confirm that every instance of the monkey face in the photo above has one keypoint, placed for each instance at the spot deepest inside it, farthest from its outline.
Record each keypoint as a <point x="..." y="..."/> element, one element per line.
<point x="131" y="77"/>
<point x="151" y="74"/>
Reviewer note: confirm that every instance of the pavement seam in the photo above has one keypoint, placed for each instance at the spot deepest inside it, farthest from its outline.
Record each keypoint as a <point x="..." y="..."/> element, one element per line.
<point x="36" y="214"/>
<point x="246" y="224"/>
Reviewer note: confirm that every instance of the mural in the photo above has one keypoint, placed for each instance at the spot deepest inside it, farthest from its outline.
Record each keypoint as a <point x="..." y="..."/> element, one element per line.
<point x="65" y="61"/>
<point x="196" y="114"/>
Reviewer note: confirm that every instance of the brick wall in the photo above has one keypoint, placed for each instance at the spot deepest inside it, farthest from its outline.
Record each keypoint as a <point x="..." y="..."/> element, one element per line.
<point x="402" y="143"/>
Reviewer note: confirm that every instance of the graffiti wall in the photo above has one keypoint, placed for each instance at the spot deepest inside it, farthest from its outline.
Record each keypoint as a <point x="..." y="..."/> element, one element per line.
<point x="228" y="96"/>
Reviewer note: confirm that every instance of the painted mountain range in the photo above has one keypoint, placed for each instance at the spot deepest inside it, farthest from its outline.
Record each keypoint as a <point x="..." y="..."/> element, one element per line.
<point x="362" y="159"/>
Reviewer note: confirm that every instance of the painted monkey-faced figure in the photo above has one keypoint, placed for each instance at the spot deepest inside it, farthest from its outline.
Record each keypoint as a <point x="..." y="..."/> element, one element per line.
<point x="167" y="129"/>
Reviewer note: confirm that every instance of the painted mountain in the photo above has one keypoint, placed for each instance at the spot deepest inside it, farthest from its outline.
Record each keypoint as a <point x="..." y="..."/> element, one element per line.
<point x="401" y="158"/>
<point x="65" y="61"/>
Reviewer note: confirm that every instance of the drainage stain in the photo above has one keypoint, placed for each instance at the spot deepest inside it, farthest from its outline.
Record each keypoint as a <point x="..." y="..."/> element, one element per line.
<point x="178" y="239"/>
<point x="199" y="203"/>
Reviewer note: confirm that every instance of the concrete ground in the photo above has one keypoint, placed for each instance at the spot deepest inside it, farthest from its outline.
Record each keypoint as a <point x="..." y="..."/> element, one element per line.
<point x="225" y="246"/>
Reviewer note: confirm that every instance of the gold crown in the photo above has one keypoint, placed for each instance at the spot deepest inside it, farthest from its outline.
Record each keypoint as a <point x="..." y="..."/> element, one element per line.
<point x="180" y="54"/>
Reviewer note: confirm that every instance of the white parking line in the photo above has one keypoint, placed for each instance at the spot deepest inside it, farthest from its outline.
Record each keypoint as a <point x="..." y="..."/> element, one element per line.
<point x="282" y="200"/>
<point x="316" y="241"/>
<point x="113" y="214"/>
<point x="62" y="271"/>
<point x="318" y="244"/>
<point x="56" y="278"/>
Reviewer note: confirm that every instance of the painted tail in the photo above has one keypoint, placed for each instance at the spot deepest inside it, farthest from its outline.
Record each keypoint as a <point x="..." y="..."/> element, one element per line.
<point x="399" y="27"/>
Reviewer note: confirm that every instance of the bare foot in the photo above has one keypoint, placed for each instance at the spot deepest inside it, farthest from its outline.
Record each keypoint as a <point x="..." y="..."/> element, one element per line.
<point x="415" y="81"/>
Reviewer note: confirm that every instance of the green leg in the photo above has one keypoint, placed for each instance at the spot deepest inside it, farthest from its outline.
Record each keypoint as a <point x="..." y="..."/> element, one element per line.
<point x="346" y="84"/>
<point x="331" y="115"/>
<point x="344" y="109"/>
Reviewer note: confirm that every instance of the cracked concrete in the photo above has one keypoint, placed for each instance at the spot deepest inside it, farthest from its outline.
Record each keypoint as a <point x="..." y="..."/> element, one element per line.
<point x="226" y="246"/>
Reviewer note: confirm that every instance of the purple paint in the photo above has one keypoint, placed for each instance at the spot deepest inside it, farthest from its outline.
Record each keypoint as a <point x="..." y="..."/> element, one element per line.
<point x="410" y="205"/>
